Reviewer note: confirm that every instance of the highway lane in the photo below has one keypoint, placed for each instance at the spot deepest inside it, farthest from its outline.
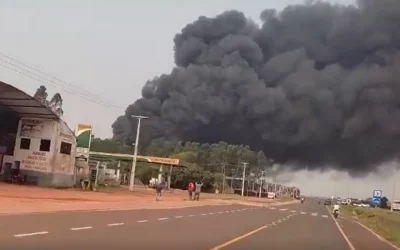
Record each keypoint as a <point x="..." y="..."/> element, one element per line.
<point x="312" y="229"/>
<point x="297" y="226"/>
<point x="195" y="228"/>
<point x="58" y="222"/>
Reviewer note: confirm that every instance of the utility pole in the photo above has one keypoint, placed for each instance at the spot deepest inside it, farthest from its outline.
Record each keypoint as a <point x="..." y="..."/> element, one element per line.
<point x="231" y="179"/>
<point x="244" y="175"/>
<point x="394" y="188"/>
<point x="132" y="181"/>
<point x="223" y="177"/>
<point x="261" y="182"/>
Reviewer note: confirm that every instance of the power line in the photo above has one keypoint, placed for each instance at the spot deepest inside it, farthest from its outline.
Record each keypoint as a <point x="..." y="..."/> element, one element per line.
<point x="88" y="96"/>
<point x="55" y="78"/>
<point x="39" y="80"/>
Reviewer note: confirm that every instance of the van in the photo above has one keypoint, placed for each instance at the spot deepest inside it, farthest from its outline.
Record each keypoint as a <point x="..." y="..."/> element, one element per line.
<point x="396" y="205"/>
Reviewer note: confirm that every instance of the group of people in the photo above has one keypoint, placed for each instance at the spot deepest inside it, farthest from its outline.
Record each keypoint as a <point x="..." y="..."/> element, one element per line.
<point x="194" y="188"/>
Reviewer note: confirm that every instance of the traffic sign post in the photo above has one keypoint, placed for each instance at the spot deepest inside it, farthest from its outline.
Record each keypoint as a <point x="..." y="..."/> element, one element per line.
<point x="376" y="197"/>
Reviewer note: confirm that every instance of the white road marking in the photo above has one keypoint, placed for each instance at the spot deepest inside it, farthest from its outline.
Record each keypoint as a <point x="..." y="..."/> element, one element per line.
<point x="272" y="208"/>
<point x="325" y="216"/>
<point x="191" y="215"/>
<point x="283" y="209"/>
<point x="293" y="211"/>
<point x="314" y="214"/>
<point x="211" y="213"/>
<point x="179" y="216"/>
<point x="341" y="231"/>
<point x="220" y="212"/>
<point x="30" y="234"/>
<point x="115" y="224"/>
<point x="165" y="218"/>
<point x="303" y="212"/>
<point x="204" y="214"/>
<point x="238" y="210"/>
<point x="142" y="221"/>
<point x="80" y="228"/>
<point x="233" y="211"/>
<point x="227" y="211"/>
<point x="279" y="221"/>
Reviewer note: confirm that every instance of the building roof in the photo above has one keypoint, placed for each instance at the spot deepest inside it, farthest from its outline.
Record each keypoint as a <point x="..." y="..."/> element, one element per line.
<point x="24" y="105"/>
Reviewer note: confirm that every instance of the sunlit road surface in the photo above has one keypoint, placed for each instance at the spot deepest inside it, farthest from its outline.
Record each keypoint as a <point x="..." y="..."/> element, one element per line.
<point x="298" y="226"/>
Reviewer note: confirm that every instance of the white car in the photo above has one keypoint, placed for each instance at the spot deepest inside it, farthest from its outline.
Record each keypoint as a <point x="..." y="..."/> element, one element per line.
<point x="396" y="205"/>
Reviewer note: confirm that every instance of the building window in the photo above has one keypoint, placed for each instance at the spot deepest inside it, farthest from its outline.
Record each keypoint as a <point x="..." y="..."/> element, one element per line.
<point x="25" y="143"/>
<point x="45" y="145"/>
<point x="65" y="148"/>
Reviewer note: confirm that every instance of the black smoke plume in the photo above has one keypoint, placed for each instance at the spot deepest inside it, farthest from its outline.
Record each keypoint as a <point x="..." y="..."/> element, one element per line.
<point x="316" y="86"/>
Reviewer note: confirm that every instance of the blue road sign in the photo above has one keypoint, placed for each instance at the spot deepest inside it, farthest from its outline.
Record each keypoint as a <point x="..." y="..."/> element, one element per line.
<point x="376" y="201"/>
<point x="377" y="194"/>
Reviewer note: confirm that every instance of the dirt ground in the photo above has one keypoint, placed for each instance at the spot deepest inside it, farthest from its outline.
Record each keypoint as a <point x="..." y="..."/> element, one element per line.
<point x="15" y="199"/>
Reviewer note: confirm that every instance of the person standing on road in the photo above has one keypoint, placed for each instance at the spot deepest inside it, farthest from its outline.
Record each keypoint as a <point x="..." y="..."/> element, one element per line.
<point x="191" y="190"/>
<point x="197" y="191"/>
<point x="159" y="188"/>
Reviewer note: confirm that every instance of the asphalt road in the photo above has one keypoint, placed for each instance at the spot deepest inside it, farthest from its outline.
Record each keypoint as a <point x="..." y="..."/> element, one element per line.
<point x="298" y="226"/>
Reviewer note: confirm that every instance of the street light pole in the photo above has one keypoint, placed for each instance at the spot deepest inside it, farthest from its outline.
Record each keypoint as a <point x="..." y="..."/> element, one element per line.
<point x="244" y="175"/>
<point x="394" y="188"/>
<point x="132" y="180"/>
<point x="261" y="182"/>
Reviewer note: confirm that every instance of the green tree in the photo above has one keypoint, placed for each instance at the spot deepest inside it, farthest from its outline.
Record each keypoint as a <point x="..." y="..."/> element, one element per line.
<point x="56" y="104"/>
<point x="41" y="95"/>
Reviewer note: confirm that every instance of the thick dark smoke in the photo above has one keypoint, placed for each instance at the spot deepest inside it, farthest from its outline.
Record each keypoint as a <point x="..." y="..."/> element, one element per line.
<point x="316" y="85"/>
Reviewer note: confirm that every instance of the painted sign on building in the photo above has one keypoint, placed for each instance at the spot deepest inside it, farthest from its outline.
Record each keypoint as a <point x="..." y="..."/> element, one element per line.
<point x="83" y="135"/>
<point x="36" y="161"/>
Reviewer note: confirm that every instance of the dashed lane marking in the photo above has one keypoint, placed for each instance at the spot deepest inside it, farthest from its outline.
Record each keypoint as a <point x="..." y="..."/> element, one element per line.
<point x="30" y="234"/>
<point x="165" y="218"/>
<point x="179" y="216"/>
<point x="115" y="224"/>
<point x="314" y="214"/>
<point x="80" y="228"/>
<point x="325" y="216"/>
<point x="303" y="212"/>
<point x="142" y="221"/>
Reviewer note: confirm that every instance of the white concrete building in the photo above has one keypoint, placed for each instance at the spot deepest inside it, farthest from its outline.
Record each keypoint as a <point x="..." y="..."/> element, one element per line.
<point x="44" y="146"/>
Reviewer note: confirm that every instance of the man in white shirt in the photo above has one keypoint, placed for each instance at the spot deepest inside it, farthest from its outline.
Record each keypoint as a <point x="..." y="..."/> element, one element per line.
<point x="336" y="207"/>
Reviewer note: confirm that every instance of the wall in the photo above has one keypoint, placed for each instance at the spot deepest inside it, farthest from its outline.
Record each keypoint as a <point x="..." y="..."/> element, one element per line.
<point x="46" y="168"/>
<point x="35" y="130"/>
<point x="64" y="164"/>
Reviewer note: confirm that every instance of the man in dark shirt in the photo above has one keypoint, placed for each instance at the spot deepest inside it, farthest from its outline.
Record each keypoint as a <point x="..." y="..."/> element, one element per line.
<point x="159" y="188"/>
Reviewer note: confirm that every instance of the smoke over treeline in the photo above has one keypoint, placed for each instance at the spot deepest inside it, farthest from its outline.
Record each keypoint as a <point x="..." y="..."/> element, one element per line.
<point x="315" y="85"/>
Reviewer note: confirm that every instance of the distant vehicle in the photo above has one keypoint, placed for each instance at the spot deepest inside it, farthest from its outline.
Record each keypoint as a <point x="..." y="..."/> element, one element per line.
<point x="271" y="195"/>
<point x="328" y="202"/>
<point x="396" y="205"/>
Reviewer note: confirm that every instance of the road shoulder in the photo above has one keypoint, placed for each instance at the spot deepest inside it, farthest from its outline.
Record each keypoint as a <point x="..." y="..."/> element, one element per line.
<point x="361" y="237"/>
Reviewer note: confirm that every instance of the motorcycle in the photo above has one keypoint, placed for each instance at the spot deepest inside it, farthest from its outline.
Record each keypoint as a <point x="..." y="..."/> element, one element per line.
<point x="302" y="201"/>
<point x="336" y="213"/>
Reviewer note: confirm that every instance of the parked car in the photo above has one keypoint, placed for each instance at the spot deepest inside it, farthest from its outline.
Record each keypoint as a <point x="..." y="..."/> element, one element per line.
<point x="396" y="205"/>
<point x="328" y="202"/>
